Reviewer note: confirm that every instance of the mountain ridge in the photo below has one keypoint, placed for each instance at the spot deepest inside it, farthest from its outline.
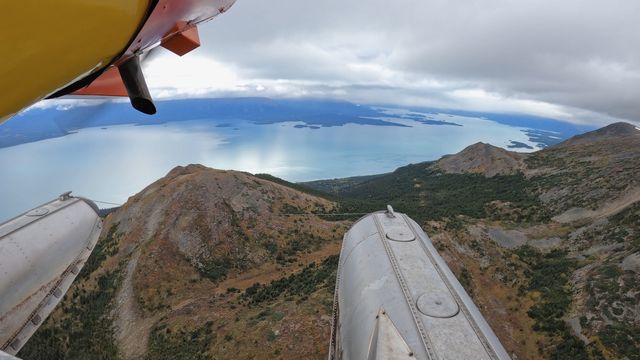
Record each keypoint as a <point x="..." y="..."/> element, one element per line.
<point x="484" y="159"/>
<point x="180" y="255"/>
<point x="609" y="132"/>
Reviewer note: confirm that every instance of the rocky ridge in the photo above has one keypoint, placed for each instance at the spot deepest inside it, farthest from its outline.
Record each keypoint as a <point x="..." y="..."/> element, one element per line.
<point x="481" y="158"/>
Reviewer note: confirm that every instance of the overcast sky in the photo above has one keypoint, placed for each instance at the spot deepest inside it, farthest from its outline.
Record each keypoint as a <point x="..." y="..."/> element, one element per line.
<point x="576" y="60"/>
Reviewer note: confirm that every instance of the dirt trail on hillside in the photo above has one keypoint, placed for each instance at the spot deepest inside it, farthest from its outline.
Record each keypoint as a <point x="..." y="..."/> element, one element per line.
<point x="614" y="207"/>
<point x="132" y="331"/>
<point x="608" y="209"/>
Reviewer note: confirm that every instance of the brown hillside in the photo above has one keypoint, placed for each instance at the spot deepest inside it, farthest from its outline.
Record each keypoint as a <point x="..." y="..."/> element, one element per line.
<point x="590" y="172"/>
<point x="183" y="251"/>
<point x="481" y="158"/>
<point x="613" y="131"/>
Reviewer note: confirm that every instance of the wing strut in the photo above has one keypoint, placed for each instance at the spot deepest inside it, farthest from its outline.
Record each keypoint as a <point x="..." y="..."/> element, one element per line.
<point x="136" y="86"/>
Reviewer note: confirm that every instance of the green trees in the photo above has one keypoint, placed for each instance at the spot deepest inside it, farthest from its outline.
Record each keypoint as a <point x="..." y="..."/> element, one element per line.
<point x="549" y="275"/>
<point x="301" y="284"/>
<point x="425" y="194"/>
<point x="181" y="344"/>
<point x="83" y="329"/>
<point x="215" y="269"/>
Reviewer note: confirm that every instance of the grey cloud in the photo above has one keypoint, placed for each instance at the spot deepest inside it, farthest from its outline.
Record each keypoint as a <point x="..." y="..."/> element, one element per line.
<point x="582" y="55"/>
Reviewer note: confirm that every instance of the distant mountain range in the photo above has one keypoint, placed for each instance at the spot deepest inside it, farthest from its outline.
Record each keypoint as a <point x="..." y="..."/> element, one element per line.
<point x="44" y="123"/>
<point x="210" y="264"/>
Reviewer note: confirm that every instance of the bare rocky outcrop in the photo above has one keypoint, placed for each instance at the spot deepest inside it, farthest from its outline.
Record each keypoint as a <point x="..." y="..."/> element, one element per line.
<point x="481" y="158"/>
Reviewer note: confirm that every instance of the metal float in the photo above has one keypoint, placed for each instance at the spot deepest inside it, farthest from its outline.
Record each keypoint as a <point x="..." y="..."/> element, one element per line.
<point x="41" y="253"/>
<point x="396" y="298"/>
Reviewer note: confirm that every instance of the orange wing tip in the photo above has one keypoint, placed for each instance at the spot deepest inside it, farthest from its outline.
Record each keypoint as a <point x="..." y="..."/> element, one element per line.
<point x="183" y="41"/>
<point x="108" y="84"/>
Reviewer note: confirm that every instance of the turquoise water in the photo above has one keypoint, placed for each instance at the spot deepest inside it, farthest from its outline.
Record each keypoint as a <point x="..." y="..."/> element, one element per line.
<point x="113" y="163"/>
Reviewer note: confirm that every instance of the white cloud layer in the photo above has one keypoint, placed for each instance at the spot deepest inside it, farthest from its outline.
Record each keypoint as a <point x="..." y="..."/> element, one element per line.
<point x="577" y="60"/>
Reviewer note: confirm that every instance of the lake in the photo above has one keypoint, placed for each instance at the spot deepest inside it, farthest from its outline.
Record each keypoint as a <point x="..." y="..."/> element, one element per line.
<point x="114" y="162"/>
